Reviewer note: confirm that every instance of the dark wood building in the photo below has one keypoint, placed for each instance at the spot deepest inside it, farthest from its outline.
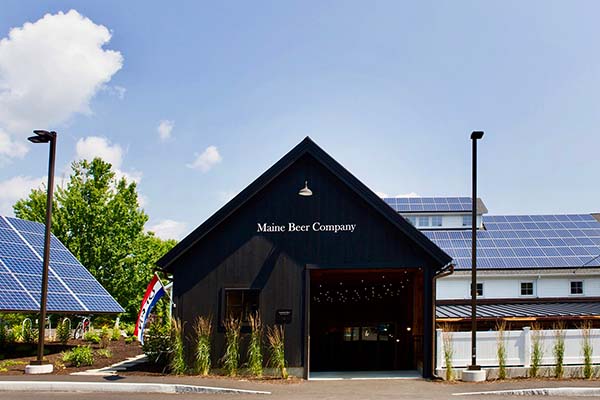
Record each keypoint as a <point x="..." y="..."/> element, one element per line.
<point x="353" y="278"/>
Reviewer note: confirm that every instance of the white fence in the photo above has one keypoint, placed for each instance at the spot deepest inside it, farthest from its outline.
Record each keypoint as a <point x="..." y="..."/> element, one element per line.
<point x="518" y="347"/>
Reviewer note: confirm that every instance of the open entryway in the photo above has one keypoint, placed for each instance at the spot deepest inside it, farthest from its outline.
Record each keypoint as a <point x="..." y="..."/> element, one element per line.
<point x="365" y="320"/>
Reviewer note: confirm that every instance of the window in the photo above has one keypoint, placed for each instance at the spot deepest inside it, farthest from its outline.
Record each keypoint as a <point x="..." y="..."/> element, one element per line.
<point x="576" y="287"/>
<point x="526" y="288"/>
<point x="467" y="220"/>
<point x="412" y="220"/>
<point x="240" y="303"/>
<point x="436" y="220"/>
<point x="423" y="221"/>
<point x="479" y="289"/>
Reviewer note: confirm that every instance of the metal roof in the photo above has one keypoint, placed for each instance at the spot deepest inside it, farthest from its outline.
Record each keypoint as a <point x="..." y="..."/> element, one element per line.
<point x="537" y="310"/>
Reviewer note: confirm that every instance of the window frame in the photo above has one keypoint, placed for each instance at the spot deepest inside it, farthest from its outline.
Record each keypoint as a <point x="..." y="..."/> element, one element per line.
<point x="477" y="285"/>
<point x="438" y="217"/>
<point x="521" y="283"/>
<point x="571" y="282"/>
<point x="224" y="310"/>
<point x="423" y="218"/>
<point x="470" y="217"/>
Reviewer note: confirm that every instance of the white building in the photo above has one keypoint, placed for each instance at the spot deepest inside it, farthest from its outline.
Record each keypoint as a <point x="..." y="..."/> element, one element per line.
<point x="529" y="267"/>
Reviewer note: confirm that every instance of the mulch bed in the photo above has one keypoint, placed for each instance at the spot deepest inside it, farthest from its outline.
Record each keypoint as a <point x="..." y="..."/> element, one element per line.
<point x="15" y="356"/>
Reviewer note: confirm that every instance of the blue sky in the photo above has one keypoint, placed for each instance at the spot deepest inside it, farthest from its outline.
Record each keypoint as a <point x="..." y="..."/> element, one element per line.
<point x="391" y="90"/>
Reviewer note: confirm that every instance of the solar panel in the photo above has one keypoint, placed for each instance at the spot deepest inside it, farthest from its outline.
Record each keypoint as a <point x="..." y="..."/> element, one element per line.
<point x="429" y="204"/>
<point x="71" y="288"/>
<point x="526" y="241"/>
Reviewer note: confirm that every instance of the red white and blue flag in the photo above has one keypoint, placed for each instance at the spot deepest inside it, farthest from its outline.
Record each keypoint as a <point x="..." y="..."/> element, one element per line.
<point x="154" y="292"/>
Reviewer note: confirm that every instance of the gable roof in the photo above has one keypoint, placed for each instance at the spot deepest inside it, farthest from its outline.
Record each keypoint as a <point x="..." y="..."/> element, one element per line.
<point x="306" y="146"/>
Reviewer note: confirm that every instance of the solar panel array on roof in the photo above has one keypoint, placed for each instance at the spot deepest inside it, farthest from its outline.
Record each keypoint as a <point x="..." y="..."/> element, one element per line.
<point x="71" y="288"/>
<point x="429" y="204"/>
<point x="494" y="311"/>
<point x="526" y="241"/>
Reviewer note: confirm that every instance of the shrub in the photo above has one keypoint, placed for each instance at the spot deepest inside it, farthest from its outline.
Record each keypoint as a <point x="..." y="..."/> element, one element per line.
<point x="231" y="358"/>
<point x="501" y="350"/>
<point x="106" y="353"/>
<point x="157" y="342"/>
<point x="92" y="336"/>
<point x="587" y="349"/>
<point x="116" y="333"/>
<point x="3" y="334"/>
<point x="203" y="330"/>
<point x="63" y="331"/>
<point x="559" y="350"/>
<point x="537" y="351"/>
<point x="177" y="359"/>
<point x="79" y="356"/>
<point x="129" y="339"/>
<point x="276" y="339"/>
<point x="105" y="336"/>
<point x="255" y="357"/>
<point x="28" y="334"/>
<point x="129" y="329"/>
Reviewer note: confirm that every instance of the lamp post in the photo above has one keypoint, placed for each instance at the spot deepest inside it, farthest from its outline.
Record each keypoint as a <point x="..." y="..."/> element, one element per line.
<point x="42" y="364"/>
<point x="475" y="136"/>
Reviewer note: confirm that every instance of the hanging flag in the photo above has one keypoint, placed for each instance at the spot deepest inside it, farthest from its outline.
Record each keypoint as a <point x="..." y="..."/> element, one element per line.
<point x="154" y="292"/>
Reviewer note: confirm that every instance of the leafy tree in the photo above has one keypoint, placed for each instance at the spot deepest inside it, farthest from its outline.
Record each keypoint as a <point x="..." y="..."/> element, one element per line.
<point x="98" y="218"/>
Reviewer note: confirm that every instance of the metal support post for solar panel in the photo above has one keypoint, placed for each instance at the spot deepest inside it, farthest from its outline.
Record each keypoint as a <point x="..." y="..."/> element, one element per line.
<point x="45" y="137"/>
<point x="476" y="135"/>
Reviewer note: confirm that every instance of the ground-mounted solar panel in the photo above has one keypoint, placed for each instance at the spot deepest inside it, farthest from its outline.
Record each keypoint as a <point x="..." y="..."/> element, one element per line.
<point x="526" y="241"/>
<point x="71" y="288"/>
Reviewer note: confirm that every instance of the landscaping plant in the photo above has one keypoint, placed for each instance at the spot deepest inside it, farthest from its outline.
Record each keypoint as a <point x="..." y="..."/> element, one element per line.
<point x="106" y="353"/>
<point x="157" y="342"/>
<point x="537" y="351"/>
<point x="448" y="351"/>
<point x="28" y="334"/>
<point x="501" y="350"/>
<point x="177" y="359"/>
<point x="255" y="357"/>
<point x="275" y="336"/>
<point x="559" y="350"/>
<point x="63" y="330"/>
<point x="105" y="337"/>
<point x="587" y="349"/>
<point x="79" y="356"/>
<point x="203" y="330"/>
<point x="231" y="358"/>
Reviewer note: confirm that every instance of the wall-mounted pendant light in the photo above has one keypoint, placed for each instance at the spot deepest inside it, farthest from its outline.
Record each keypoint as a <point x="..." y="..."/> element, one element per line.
<point x="305" y="191"/>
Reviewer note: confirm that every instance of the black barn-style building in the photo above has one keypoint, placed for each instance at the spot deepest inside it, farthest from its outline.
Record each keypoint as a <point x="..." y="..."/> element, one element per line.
<point x="352" y="281"/>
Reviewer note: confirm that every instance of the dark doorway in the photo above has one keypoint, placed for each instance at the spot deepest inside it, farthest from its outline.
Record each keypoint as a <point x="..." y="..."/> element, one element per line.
<point x="365" y="320"/>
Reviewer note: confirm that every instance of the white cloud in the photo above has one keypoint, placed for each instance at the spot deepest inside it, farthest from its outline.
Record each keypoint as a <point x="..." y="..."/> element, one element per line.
<point x="385" y="195"/>
<point x="411" y="194"/>
<point x="205" y="161"/>
<point x="50" y="70"/>
<point x="165" y="128"/>
<point x="9" y="148"/>
<point x="227" y="195"/>
<point x="169" y="229"/>
<point x="95" y="146"/>
<point x="14" y="189"/>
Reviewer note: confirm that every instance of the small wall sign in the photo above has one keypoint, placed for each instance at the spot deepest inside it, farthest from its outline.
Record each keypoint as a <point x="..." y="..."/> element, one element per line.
<point x="283" y="316"/>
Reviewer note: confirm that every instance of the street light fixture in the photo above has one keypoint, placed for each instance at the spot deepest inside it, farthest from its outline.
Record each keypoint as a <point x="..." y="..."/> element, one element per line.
<point x="475" y="136"/>
<point x="41" y="365"/>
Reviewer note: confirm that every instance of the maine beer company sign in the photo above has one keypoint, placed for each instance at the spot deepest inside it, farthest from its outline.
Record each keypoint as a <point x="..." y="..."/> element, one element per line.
<point x="314" y="227"/>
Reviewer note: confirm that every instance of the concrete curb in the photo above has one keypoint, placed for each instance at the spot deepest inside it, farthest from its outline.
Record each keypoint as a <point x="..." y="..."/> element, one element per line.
<point x="89" y="387"/>
<point x="560" y="391"/>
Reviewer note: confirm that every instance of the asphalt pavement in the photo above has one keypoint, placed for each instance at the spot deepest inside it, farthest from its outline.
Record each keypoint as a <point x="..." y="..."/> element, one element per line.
<point x="313" y="390"/>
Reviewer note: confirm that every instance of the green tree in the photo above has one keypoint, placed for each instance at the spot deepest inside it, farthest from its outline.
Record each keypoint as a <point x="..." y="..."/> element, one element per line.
<point x="98" y="218"/>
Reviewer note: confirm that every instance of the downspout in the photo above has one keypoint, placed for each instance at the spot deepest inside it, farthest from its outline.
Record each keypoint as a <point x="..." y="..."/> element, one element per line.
<point x="448" y="269"/>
